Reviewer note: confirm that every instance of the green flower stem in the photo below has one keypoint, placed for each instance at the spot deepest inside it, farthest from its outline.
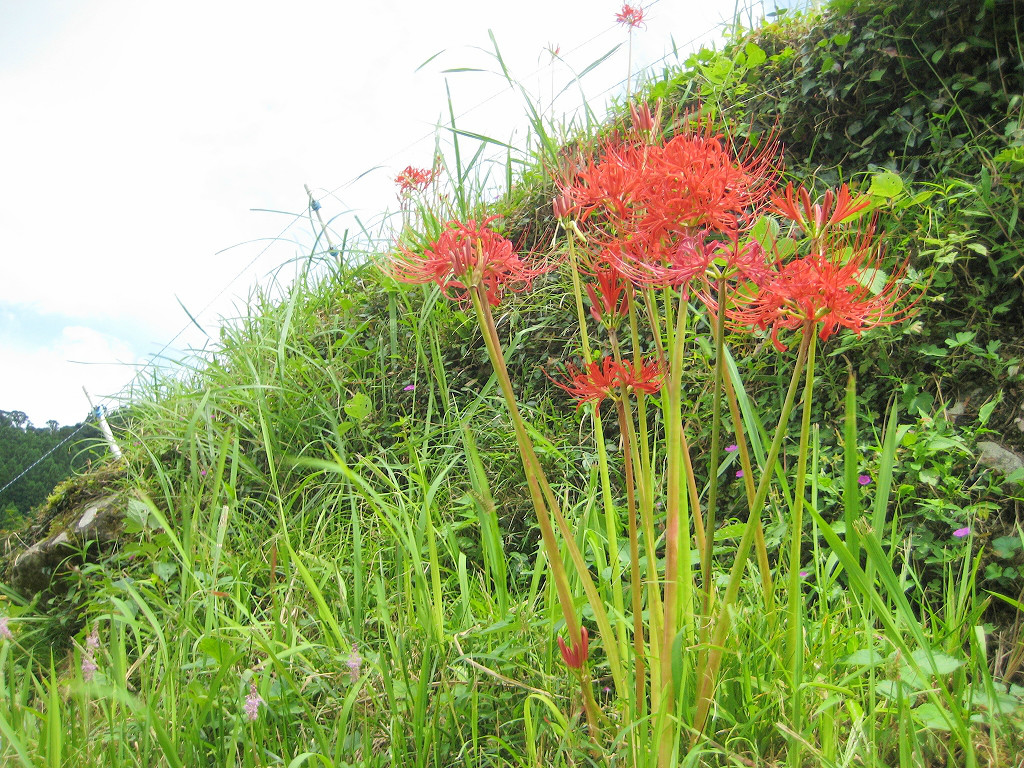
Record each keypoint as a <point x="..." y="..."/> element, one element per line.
<point x="716" y="428"/>
<point x="628" y="433"/>
<point x="760" y="548"/>
<point x="794" y="614"/>
<point x="678" y="597"/>
<point x="645" y="490"/>
<point x="577" y="292"/>
<point x="611" y="519"/>
<point x="530" y="465"/>
<point x="612" y="523"/>
<point x="709" y="673"/>
<point x="546" y="505"/>
<point x="639" y="667"/>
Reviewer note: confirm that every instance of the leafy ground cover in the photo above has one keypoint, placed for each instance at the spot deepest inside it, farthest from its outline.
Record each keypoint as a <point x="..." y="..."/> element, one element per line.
<point x="372" y="527"/>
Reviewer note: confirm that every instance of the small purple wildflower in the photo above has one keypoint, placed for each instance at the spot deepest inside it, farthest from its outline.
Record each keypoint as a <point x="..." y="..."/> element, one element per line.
<point x="803" y="574"/>
<point x="408" y="387"/>
<point x="202" y="472"/>
<point x="5" y="631"/>
<point x="253" y="702"/>
<point x="962" y="532"/>
<point x="354" y="662"/>
<point x="92" y="642"/>
<point x="731" y="448"/>
<point x="864" y="479"/>
<point x="739" y="473"/>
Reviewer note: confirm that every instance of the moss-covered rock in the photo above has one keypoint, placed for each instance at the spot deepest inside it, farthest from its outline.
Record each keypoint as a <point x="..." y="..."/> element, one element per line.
<point x="81" y="521"/>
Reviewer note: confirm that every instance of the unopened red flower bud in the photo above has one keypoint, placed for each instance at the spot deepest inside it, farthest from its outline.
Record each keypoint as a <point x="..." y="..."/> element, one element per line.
<point x="575" y="657"/>
<point x="562" y="205"/>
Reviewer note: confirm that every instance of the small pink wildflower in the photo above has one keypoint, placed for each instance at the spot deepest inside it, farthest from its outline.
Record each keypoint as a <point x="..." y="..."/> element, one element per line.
<point x="803" y="574"/>
<point x="731" y="448"/>
<point x="739" y="473"/>
<point x="253" y="702"/>
<point x="5" y="631"/>
<point x="354" y="662"/>
<point x="408" y="387"/>
<point x="962" y="532"/>
<point x="864" y="479"/>
<point x="89" y="666"/>
<point x="630" y="16"/>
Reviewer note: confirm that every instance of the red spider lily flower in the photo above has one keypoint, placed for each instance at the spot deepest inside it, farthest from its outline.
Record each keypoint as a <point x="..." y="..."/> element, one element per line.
<point x="833" y="288"/>
<point x="415" y="179"/>
<point x="689" y="259"/>
<point x="697" y="182"/>
<point x="693" y="182"/>
<point x="813" y="218"/>
<point x="598" y="381"/>
<point x="576" y="656"/>
<point x="465" y="255"/>
<point x="608" y="185"/>
<point x="630" y="16"/>
<point x="608" y="298"/>
<point x="671" y="262"/>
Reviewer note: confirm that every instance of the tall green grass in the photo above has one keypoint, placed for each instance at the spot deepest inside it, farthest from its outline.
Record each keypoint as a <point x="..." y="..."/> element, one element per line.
<point x="327" y="510"/>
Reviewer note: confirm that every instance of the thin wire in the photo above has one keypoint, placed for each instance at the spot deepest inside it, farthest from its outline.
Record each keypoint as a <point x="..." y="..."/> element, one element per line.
<point x="31" y="466"/>
<point x="210" y="303"/>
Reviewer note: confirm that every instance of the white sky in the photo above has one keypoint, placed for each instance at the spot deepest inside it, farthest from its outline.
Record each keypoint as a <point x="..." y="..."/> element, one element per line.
<point x="136" y="137"/>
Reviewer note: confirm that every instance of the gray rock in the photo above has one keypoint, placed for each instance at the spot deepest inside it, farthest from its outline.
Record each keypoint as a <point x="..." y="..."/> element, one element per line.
<point x="62" y="540"/>
<point x="996" y="457"/>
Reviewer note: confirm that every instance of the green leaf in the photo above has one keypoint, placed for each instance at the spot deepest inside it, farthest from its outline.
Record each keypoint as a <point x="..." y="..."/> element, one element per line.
<point x="165" y="571"/>
<point x="985" y="412"/>
<point x="886" y="184"/>
<point x="865" y="657"/>
<point x="1005" y="546"/>
<point x="755" y="55"/>
<point x="930" y="716"/>
<point x="944" y="663"/>
<point x="358" y="407"/>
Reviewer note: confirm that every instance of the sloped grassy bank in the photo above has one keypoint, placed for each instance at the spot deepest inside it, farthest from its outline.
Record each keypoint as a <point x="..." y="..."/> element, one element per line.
<point x="332" y="557"/>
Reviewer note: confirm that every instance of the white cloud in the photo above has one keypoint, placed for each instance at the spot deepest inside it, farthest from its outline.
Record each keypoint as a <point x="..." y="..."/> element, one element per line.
<point x="137" y="137"/>
<point x="46" y="382"/>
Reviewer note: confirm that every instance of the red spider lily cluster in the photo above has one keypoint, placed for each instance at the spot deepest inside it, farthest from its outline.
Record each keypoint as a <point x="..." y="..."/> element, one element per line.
<point x="678" y="214"/>
<point x="606" y="379"/>
<point x="413" y="180"/>
<point x="693" y="182"/>
<point x="630" y="16"/>
<point x="833" y="287"/>
<point x="466" y="255"/>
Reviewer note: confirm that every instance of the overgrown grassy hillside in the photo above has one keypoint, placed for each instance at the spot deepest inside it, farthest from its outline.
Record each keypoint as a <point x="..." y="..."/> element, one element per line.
<point x="348" y="540"/>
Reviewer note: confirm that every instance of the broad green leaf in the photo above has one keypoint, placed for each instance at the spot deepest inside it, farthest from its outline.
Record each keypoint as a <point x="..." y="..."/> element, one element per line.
<point x="865" y="657"/>
<point x="358" y="407"/>
<point x="885" y="184"/>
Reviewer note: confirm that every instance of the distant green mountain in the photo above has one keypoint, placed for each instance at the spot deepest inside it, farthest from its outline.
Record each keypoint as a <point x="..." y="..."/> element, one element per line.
<point x="66" y="449"/>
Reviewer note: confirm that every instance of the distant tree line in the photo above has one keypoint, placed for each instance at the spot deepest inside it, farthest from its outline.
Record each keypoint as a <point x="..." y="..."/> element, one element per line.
<point x="21" y="444"/>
